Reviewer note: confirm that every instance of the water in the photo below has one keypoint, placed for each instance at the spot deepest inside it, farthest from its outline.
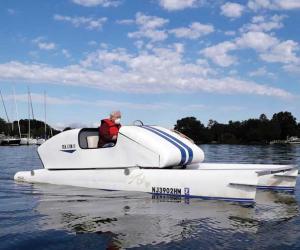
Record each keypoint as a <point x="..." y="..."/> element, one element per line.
<point x="61" y="217"/>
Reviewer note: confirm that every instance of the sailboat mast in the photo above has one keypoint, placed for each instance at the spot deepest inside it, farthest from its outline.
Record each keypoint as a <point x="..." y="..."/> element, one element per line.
<point x="28" y="117"/>
<point x="45" y="115"/>
<point x="16" y="107"/>
<point x="31" y="105"/>
<point x="4" y="107"/>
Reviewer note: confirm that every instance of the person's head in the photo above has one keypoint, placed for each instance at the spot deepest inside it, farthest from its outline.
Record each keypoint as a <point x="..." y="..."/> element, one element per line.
<point x="115" y="116"/>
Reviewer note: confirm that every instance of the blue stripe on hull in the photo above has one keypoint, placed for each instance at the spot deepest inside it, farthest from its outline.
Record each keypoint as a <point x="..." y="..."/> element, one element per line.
<point x="278" y="188"/>
<point x="181" y="149"/>
<point x="68" y="150"/>
<point x="248" y="200"/>
<point x="190" y="151"/>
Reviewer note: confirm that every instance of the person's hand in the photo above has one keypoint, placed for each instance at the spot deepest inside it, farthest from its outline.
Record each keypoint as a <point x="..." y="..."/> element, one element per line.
<point x="114" y="137"/>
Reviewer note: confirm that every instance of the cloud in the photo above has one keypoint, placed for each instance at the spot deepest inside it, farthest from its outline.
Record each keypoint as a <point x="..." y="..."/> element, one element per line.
<point x="194" y="31"/>
<point x="80" y="21"/>
<point x="283" y="52"/>
<point x="230" y="33"/>
<point x="125" y="21"/>
<point x="51" y="100"/>
<point x="256" y="40"/>
<point x="261" y="72"/>
<point x="173" y="5"/>
<point x="149" y="27"/>
<point x="162" y="70"/>
<point x="274" y="4"/>
<point x="92" y="43"/>
<point x="232" y="10"/>
<point x="293" y="68"/>
<point x="260" y="23"/>
<point x="93" y="3"/>
<point x="66" y="53"/>
<point x="219" y="53"/>
<point x="44" y="45"/>
<point x="268" y="47"/>
<point x="152" y="27"/>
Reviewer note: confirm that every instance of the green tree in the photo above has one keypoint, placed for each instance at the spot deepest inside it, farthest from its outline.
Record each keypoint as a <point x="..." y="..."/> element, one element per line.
<point x="286" y="123"/>
<point x="192" y="128"/>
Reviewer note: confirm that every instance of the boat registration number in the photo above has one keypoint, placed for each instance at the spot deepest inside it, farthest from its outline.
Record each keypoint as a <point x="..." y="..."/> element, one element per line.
<point x="166" y="190"/>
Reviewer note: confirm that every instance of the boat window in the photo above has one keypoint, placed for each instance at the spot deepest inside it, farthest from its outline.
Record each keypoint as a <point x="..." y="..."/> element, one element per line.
<point x="88" y="138"/>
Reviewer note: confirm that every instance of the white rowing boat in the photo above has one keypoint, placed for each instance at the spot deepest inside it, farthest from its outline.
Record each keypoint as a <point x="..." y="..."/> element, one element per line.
<point x="151" y="159"/>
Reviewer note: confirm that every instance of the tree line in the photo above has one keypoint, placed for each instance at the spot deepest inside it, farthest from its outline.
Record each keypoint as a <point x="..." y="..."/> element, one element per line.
<point x="37" y="128"/>
<point x="252" y="131"/>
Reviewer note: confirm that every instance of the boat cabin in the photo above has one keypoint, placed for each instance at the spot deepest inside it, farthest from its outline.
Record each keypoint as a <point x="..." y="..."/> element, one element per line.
<point x="142" y="146"/>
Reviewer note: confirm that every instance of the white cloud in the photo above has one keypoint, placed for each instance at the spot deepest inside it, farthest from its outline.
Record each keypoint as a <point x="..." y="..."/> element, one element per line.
<point x="92" y="43"/>
<point x="293" y="68"/>
<point x="274" y="4"/>
<point x="260" y="23"/>
<point x="161" y="70"/>
<point x="194" y="31"/>
<point x="268" y="47"/>
<point x="219" y="53"/>
<point x="173" y="5"/>
<point x="283" y="52"/>
<point x="66" y="53"/>
<point x="80" y="21"/>
<point x="149" y="27"/>
<point x="43" y="44"/>
<point x="150" y="22"/>
<point x="153" y="35"/>
<point x="230" y="33"/>
<point x="125" y="21"/>
<point x="261" y="72"/>
<point x="93" y="3"/>
<point x="256" y="40"/>
<point x="51" y="100"/>
<point x="232" y="10"/>
<point x="288" y="4"/>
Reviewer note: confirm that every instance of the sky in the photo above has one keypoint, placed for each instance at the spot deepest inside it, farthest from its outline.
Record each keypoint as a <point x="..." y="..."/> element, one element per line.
<point x="155" y="60"/>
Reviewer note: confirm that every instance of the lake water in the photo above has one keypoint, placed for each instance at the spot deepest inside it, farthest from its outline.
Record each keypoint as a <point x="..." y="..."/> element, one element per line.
<point x="61" y="217"/>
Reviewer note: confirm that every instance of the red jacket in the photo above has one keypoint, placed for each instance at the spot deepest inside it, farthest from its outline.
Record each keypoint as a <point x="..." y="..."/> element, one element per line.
<point x="107" y="130"/>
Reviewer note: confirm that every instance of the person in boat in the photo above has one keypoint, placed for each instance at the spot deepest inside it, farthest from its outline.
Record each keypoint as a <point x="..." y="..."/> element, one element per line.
<point x="108" y="130"/>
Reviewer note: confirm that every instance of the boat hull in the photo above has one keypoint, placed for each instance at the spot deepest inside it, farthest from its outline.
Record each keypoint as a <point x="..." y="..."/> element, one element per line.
<point x="10" y="142"/>
<point x="26" y="141"/>
<point x="272" y="177"/>
<point x="227" y="184"/>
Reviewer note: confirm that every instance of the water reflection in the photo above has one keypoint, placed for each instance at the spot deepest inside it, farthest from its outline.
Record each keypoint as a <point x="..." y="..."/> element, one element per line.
<point x="135" y="219"/>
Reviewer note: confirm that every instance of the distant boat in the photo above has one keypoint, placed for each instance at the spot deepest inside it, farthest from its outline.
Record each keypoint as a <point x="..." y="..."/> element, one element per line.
<point x="289" y="140"/>
<point x="293" y="140"/>
<point x="2" y="136"/>
<point x="28" y="140"/>
<point x="10" y="141"/>
<point x="40" y="141"/>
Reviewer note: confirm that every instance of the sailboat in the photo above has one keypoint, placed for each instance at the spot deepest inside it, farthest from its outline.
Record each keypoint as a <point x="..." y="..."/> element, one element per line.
<point x="29" y="140"/>
<point x="10" y="140"/>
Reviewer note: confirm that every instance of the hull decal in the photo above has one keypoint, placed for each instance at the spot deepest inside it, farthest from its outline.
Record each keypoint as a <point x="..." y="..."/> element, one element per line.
<point x="190" y="151"/>
<point x="181" y="149"/>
